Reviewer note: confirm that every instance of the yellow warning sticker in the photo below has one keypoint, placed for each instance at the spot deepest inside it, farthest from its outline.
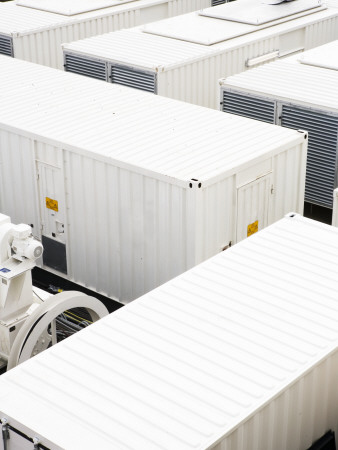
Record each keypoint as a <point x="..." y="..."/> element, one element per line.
<point x="252" y="228"/>
<point x="52" y="204"/>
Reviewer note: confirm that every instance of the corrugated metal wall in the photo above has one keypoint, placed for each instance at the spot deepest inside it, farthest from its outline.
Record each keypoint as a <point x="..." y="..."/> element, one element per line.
<point x="320" y="33"/>
<point x="131" y="228"/>
<point x="17" y="182"/>
<point x="294" y="419"/>
<point x="335" y="208"/>
<point x="197" y="82"/>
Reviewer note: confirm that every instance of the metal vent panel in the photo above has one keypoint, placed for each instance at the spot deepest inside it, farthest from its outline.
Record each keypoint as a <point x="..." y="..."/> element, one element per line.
<point x="6" y="45"/>
<point x="138" y="79"/>
<point x="322" y="151"/>
<point x="248" y="106"/>
<point x="217" y="2"/>
<point x="92" y="68"/>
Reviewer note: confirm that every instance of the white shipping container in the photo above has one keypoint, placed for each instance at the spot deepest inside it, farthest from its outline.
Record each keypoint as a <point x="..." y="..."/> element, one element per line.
<point x="239" y="353"/>
<point x="335" y="208"/>
<point x="34" y="30"/>
<point x="128" y="189"/>
<point x="184" y="57"/>
<point x="298" y="92"/>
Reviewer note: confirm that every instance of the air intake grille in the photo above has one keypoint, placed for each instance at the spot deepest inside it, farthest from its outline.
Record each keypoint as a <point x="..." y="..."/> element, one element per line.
<point x="6" y="45"/>
<point x="322" y="149"/>
<point x="138" y="79"/>
<point x="217" y="2"/>
<point x="247" y="106"/>
<point x="85" y="66"/>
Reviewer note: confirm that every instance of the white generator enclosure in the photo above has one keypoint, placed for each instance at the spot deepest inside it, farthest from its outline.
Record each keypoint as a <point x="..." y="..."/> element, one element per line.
<point x="127" y="189"/>
<point x="183" y="57"/>
<point x="34" y="30"/>
<point x="239" y="353"/>
<point x="335" y="208"/>
<point x="300" y="92"/>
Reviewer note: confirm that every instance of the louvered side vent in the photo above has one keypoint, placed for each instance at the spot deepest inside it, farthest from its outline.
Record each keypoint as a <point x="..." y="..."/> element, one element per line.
<point x="248" y="106"/>
<point x="85" y="66"/>
<point x="217" y="2"/>
<point x="6" y="45"/>
<point x="322" y="149"/>
<point x="138" y="79"/>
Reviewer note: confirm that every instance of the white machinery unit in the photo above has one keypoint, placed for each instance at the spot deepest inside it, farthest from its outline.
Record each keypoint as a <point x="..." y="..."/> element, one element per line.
<point x="299" y="92"/>
<point x="335" y="208"/>
<point x="127" y="189"/>
<point x="27" y="322"/>
<point x="34" y="30"/>
<point x="184" y="57"/>
<point x="240" y="352"/>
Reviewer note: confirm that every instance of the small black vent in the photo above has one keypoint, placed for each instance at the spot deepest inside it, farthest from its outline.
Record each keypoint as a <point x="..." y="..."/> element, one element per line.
<point x="217" y="2"/>
<point x="322" y="149"/>
<point x="6" y="45"/>
<point x="138" y="79"/>
<point x="84" y="66"/>
<point x="248" y="106"/>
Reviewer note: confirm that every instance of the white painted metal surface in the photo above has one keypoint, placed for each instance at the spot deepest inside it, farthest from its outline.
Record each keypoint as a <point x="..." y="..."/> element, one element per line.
<point x="288" y="80"/>
<point x="146" y="187"/>
<point x="187" y="69"/>
<point x="335" y="208"/>
<point x="238" y="353"/>
<point x="36" y="35"/>
<point x="300" y="96"/>
<point x="67" y="8"/>
<point x="324" y="56"/>
<point x="257" y="13"/>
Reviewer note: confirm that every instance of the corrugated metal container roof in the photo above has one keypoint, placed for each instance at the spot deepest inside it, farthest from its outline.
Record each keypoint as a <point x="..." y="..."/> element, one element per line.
<point x="184" y="365"/>
<point x="290" y="80"/>
<point x="138" y="48"/>
<point x="16" y="19"/>
<point x="129" y="127"/>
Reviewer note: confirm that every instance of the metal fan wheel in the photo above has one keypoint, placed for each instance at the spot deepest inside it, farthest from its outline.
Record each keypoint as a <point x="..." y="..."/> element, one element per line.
<point x="38" y="332"/>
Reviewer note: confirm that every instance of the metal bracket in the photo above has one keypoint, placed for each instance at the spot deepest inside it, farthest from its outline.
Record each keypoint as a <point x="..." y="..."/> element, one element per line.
<point x="5" y="432"/>
<point x="36" y="442"/>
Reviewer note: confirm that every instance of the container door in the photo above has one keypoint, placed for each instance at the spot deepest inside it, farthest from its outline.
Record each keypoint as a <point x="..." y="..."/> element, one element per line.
<point x="253" y="206"/>
<point x="52" y="217"/>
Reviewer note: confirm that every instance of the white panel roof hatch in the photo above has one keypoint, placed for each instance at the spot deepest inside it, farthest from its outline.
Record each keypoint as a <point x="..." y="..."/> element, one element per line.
<point x="325" y="56"/>
<point x="237" y="19"/>
<point x="258" y="13"/>
<point x="67" y="8"/>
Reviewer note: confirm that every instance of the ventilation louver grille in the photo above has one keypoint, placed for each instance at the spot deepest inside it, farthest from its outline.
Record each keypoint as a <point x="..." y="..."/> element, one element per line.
<point x="138" y="79"/>
<point x="85" y="66"/>
<point x="6" y="45"/>
<point x="322" y="148"/>
<point x="217" y="2"/>
<point x="247" y="106"/>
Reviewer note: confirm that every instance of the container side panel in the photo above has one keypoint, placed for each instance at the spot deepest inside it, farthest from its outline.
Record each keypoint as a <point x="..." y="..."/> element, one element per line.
<point x="197" y="82"/>
<point x="335" y="208"/>
<point x="321" y="32"/>
<point x="289" y="182"/>
<point x="216" y="219"/>
<point x="177" y="7"/>
<point x="126" y="231"/>
<point x="18" y="180"/>
<point x="295" y="419"/>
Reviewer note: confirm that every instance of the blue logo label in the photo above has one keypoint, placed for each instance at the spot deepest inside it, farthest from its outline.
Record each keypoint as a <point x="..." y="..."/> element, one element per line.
<point x="4" y="270"/>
